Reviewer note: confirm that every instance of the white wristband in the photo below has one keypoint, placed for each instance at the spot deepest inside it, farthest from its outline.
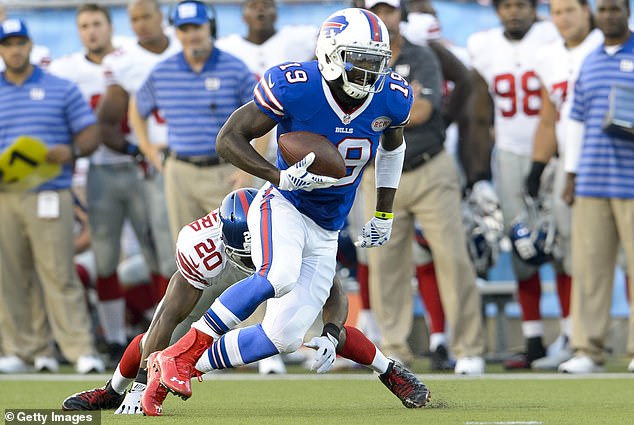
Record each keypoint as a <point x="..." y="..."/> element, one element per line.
<point x="388" y="166"/>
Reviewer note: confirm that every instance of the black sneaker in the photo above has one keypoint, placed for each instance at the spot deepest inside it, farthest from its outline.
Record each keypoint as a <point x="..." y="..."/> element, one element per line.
<point x="440" y="359"/>
<point x="405" y="385"/>
<point x="96" y="399"/>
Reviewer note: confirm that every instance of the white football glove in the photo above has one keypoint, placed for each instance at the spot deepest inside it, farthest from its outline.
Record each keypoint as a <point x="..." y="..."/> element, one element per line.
<point x="131" y="404"/>
<point x="326" y="354"/>
<point x="376" y="232"/>
<point x="525" y="248"/>
<point x="485" y="198"/>
<point x="297" y="176"/>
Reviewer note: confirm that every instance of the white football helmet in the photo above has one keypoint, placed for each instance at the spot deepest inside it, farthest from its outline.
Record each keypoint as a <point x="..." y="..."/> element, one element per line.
<point x="354" y="44"/>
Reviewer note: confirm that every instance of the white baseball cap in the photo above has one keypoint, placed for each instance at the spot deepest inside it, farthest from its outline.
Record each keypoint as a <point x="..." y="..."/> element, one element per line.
<point x="369" y="4"/>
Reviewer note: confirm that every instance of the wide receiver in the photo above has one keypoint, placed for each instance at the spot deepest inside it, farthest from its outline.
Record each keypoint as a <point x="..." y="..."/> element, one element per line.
<point x="213" y="253"/>
<point x="350" y="96"/>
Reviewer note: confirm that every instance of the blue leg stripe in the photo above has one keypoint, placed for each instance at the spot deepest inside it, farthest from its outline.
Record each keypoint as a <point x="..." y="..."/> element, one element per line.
<point x="245" y="296"/>
<point x="217" y="353"/>
<point x="215" y="323"/>
<point x="254" y="345"/>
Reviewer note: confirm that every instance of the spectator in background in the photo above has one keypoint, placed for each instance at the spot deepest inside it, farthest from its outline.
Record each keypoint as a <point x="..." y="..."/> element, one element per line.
<point x="430" y="193"/>
<point x="125" y="69"/>
<point x="506" y="94"/>
<point x="36" y="227"/>
<point x="557" y="67"/>
<point x="114" y="185"/>
<point x="601" y="158"/>
<point x="196" y="90"/>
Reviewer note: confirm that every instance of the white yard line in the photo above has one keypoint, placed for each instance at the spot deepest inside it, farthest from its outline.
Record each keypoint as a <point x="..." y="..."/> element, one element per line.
<point x="334" y="376"/>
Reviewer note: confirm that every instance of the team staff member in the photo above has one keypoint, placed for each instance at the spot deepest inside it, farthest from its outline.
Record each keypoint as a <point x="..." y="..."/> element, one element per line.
<point x="603" y="212"/>
<point x="36" y="228"/>
<point x="196" y="90"/>
<point x="430" y="193"/>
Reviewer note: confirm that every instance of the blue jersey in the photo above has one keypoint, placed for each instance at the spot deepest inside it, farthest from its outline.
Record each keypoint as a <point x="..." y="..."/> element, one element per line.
<point x="297" y="97"/>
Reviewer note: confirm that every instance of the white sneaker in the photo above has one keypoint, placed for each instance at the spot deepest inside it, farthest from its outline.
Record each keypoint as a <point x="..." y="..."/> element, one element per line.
<point x="469" y="366"/>
<point x="46" y="364"/>
<point x="551" y="362"/>
<point x="13" y="364"/>
<point x="630" y="367"/>
<point x="580" y="364"/>
<point x="89" y="363"/>
<point x="270" y="365"/>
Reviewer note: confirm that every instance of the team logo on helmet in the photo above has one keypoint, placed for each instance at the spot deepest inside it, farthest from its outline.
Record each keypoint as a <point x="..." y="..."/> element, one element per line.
<point x="334" y="26"/>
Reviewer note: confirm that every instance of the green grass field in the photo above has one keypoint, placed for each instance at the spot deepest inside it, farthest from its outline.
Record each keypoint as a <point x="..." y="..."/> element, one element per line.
<point x="500" y="399"/>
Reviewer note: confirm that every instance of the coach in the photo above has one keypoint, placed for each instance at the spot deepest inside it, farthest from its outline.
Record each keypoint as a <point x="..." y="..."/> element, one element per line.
<point x="197" y="90"/>
<point x="36" y="227"/>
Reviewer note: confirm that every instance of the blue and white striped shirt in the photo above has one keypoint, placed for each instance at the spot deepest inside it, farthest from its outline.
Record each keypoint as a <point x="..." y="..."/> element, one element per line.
<point x="606" y="166"/>
<point x="45" y="107"/>
<point x="195" y="105"/>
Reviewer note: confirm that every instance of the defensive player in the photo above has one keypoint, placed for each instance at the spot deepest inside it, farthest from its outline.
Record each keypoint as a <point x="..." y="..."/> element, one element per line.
<point x="189" y="295"/>
<point x="504" y="81"/>
<point x="557" y="67"/>
<point x="349" y="95"/>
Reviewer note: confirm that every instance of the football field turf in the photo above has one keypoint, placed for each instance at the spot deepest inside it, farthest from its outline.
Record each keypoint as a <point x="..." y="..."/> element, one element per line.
<point x="501" y="399"/>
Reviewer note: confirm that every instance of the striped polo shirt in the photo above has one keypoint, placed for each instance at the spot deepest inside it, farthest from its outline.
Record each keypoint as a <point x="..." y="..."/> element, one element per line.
<point x="45" y="107"/>
<point x="195" y="105"/>
<point x="606" y="166"/>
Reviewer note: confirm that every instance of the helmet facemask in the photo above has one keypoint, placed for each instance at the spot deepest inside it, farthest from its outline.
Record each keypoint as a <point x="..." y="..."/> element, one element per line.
<point x="241" y="258"/>
<point x="363" y="72"/>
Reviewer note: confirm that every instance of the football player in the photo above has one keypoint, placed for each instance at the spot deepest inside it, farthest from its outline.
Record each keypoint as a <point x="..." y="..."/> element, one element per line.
<point x="349" y="95"/>
<point x="213" y="253"/>
<point x="113" y="182"/>
<point x="125" y="71"/>
<point x="506" y="92"/>
<point x="557" y="67"/>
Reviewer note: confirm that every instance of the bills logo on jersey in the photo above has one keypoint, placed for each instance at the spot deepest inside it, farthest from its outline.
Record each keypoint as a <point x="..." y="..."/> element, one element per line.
<point x="380" y="123"/>
<point x="334" y="26"/>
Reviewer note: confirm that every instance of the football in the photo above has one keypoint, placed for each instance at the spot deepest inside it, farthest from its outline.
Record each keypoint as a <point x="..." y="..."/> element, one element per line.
<point x="294" y="146"/>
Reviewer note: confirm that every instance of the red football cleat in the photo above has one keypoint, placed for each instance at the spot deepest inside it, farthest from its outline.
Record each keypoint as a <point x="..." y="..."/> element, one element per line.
<point x="176" y="363"/>
<point x="155" y="392"/>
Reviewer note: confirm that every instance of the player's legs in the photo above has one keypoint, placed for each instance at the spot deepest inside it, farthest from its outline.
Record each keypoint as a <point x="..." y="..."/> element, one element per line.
<point x="160" y="230"/>
<point x="354" y="345"/>
<point x="285" y="323"/>
<point x="438" y="209"/>
<point x="105" y="189"/>
<point x="510" y="171"/>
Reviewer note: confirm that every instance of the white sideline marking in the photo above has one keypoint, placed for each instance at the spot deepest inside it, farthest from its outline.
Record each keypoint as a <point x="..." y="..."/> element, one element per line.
<point x="223" y="376"/>
<point x="505" y="423"/>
